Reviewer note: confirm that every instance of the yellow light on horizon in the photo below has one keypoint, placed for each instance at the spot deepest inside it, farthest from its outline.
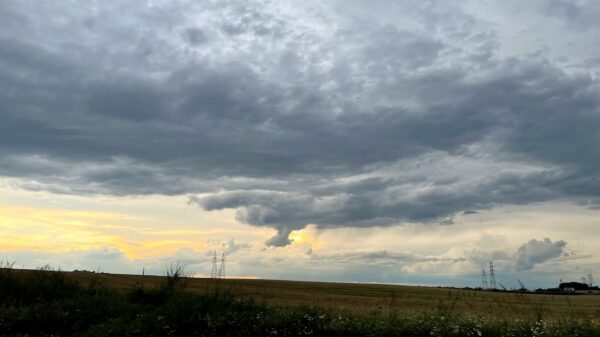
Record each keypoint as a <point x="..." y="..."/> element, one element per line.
<point x="61" y="230"/>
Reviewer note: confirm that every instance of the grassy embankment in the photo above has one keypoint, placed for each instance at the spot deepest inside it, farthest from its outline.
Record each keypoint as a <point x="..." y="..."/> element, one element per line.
<point x="46" y="302"/>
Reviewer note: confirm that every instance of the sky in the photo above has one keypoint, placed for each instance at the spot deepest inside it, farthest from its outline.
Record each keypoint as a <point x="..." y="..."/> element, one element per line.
<point x="390" y="141"/>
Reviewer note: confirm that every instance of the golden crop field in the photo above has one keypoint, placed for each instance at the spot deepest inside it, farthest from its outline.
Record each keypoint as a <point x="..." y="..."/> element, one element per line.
<point x="376" y="298"/>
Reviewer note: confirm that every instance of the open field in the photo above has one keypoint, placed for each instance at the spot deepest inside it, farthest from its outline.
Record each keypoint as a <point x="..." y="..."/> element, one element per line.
<point x="366" y="298"/>
<point x="55" y="303"/>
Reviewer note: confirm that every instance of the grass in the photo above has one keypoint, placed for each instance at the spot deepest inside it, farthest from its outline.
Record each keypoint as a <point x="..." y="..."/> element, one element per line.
<point x="53" y="303"/>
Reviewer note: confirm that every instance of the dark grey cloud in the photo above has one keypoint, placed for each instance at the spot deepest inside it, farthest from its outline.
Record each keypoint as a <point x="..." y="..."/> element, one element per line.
<point x="291" y="115"/>
<point x="195" y="36"/>
<point x="580" y="14"/>
<point x="567" y="9"/>
<point x="537" y="251"/>
<point x="136" y="102"/>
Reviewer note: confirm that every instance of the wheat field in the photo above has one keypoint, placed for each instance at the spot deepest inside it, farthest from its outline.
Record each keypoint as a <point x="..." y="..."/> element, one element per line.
<point x="376" y="298"/>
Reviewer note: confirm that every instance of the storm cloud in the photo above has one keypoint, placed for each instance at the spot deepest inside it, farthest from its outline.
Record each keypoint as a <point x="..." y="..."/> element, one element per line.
<point x="537" y="251"/>
<point x="296" y="114"/>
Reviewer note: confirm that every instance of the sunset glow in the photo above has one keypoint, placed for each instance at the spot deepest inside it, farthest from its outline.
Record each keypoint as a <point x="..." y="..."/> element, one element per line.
<point x="384" y="141"/>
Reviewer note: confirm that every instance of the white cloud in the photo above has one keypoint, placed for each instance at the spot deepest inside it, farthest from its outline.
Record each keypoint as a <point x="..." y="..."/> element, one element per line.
<point x="535" y="252"/>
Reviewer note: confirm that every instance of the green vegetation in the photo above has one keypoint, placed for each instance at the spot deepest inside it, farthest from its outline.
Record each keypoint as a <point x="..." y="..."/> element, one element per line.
<point x="48" y="302"/>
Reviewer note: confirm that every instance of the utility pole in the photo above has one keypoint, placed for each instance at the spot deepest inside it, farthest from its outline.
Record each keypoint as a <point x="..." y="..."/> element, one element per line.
<point x="492" y="276"/>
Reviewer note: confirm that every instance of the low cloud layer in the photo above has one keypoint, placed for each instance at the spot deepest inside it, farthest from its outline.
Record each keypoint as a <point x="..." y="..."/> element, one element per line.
<point x="297" y="262"/>
<point x="300" y="114"/>
<point x="526" y="257"/>
<point x="534" y="252"/>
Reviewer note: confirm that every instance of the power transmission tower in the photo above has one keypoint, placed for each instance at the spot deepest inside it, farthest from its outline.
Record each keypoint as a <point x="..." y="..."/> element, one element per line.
<point x="484" y="282"/>
<point x="591" y="279"/>
<point x="222" y="268"/>
<point x="213" y="272"/>
<point x="492" y="276"/>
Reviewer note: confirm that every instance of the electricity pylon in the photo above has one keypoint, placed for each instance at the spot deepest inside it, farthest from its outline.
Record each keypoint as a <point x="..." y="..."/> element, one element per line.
<point x="484" y="282"/>
<point x="492" y="276"/>
<point x="221" y="273"/>
<point x="213" y="272"/>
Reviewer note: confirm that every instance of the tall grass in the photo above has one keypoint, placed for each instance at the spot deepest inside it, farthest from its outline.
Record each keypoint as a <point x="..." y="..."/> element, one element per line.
<point x="45" y="303"/>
